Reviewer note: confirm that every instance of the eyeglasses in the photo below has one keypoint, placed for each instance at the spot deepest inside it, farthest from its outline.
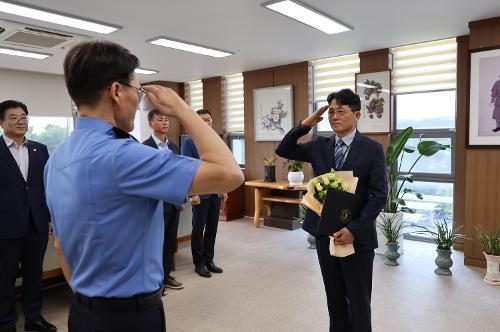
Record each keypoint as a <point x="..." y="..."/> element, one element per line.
<point x="14" y="119"/>
<point x="141" y="93"/>
<point x="340" y="112"/>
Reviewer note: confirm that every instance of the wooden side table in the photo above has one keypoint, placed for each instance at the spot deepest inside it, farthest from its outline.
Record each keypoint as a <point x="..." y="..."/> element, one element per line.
<point x="264" y="197"/>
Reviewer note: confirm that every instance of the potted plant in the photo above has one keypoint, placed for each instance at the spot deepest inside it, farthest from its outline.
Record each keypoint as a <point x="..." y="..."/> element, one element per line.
<point x="396" y="204"/>
<point x="444" y="237"/>
<point x="391" y="227"/>
<point x="490" y="242"/>
<point x="295" y="174"/>
<point x="270" y="169"/>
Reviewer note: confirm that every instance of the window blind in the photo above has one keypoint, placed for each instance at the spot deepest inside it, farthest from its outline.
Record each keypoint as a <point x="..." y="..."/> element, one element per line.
<point x="425" y="66"/>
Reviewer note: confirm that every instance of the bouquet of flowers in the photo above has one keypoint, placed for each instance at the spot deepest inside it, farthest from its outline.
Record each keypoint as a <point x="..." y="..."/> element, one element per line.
<point x="318" y="187"/>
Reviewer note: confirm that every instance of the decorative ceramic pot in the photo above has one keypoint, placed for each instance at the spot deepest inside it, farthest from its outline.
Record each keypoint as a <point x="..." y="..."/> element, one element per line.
<point x="311" y="241"/>
<point x="295" y="178"/>
<point x="381" y="237"/>
<point x="270" y="173"/>
<point x="392" y="254"/>
<point x="492" y="270"/>
<point x="443" y="262"/>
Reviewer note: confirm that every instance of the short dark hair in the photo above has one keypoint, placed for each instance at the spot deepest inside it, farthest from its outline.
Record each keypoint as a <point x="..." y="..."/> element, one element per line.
<point x="90" y="67"/>
<point x="152" y="113"/>
<point x="345" y="97"/>
<point x="203" y="111"/>
<point x="8" y="104"/>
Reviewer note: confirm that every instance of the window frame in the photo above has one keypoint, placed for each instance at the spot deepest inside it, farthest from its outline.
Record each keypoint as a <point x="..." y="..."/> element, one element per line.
<point x="232" y="136"/>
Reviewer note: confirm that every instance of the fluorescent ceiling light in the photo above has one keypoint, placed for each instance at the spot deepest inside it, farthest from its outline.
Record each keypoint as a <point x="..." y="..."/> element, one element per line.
<point x="145" y="71"/>
<point x="53" y="17"/>
<point x="25" y="54"/>
<point x="307" y="15"/>
<point x="188" y="47"/>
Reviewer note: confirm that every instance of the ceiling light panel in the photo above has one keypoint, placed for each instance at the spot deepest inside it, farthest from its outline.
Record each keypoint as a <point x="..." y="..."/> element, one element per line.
<point x="44" y="15"/>
<point x="307" y="15"/>
<point x="189" y="47"/>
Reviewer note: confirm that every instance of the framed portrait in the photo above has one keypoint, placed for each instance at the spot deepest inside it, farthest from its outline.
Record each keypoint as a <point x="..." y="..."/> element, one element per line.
<point x="483" y="112"/>
<point x="374" y="89"/>
<point x="273" y="112"/>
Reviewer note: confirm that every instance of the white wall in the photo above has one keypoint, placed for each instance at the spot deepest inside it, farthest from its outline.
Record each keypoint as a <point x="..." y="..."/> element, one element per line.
<point x="44" y="94"/>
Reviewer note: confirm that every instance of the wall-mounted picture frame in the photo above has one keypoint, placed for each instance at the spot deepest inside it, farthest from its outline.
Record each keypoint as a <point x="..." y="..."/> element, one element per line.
<point x="273" y="112"/>
<point x="374" y="90"/>
<point x="483" y="98"/>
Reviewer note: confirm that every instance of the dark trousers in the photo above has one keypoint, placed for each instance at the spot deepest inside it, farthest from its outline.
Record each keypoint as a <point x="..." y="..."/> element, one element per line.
<point x="205" y="222"/>
<point x="28" y="250"/>
<point x="348" y="286"/>
<point x="171" y="219"/>
<point x="85" y="317"/>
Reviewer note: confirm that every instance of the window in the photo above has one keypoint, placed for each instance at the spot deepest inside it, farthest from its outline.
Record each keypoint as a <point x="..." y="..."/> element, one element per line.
<point x="51" y="131"/>
<point x="194" y="94"/>
<point x="237" y="146"/>
<point x="329" y="75"/>
<point x="424" y="97"/>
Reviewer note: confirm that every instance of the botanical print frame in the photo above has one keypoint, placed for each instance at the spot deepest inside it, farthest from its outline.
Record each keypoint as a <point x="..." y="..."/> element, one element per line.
<point x="483" y="98"/>
<point x="374" y="90"/>
<point x="273" y="112"/>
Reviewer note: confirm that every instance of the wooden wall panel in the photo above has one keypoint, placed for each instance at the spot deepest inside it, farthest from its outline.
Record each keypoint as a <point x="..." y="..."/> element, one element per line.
<point x="460" y="152"/>
<point x="175" y="126"/>
<point x="482" y="188"/>
<point x="295" y="74"/>
<point x="370" y="62"/>
<point x="212" y="100"/>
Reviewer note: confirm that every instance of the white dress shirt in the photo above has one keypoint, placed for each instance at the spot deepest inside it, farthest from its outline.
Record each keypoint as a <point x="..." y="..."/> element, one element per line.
<point x="20" y="154"/>
<point x="161" y="145"/>
<point x="347" y="139"/>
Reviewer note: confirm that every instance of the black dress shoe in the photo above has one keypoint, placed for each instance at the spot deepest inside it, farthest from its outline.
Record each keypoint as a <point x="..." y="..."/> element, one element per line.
<point x="214" y="268"/>
<point x="202" y="271"/>
<point x="39" y="325"/>
<point x="496" y="129"/>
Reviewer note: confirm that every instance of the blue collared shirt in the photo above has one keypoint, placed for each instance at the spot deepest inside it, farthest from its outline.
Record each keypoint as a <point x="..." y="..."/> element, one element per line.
<point x="103" y="194"/>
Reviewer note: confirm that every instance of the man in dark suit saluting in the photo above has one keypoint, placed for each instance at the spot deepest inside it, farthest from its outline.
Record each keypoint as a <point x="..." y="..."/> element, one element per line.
<point x="24" y="219"/>
<point x="348" y="280"/>
<point x="160" y="124"/>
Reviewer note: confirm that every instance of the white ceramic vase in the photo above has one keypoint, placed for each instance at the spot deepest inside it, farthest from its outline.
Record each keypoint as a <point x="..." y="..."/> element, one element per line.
<point x="492" y="270"/>
<point x="295" y="178"/>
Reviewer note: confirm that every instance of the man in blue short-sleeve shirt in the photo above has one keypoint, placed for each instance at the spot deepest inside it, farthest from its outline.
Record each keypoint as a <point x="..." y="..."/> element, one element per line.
<point x="105" y="191"/>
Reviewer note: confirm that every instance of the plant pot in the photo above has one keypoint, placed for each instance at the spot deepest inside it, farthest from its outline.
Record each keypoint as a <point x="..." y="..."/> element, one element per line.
<point x="311" y="241"/>
<point x="492" y="270"/>
<point x="270" y="173"/>
<point x="392" y="254"/>
<point x="295" y="178"/>
<point x="443" y="262"/>
<point x="382" y="239"/>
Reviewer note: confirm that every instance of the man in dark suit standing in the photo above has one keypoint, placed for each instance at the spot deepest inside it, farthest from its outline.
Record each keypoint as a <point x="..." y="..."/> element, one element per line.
<point x="205" y="215"/>
<point x="348" y="280"/>
<point x="24" y="219"/>
<point x="160" y="124"/>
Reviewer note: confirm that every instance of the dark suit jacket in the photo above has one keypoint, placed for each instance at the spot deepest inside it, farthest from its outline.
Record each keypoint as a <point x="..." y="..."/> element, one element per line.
<point x="189" y="149"/>
<point x="17" y="196"/>
<point x="367" y="161"/>
<point x="175" y="149"/>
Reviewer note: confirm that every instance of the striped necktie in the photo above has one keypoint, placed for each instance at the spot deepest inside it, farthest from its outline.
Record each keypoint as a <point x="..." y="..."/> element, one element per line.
<point x="339" y="154"/>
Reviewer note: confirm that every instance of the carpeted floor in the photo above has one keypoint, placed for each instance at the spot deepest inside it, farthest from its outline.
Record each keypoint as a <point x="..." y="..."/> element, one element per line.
<point x="271" y="282"/>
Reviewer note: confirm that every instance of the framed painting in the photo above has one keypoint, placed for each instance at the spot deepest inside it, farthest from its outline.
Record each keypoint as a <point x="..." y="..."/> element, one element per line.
<point x="374" y="90"/>
<point x="273" y="112"/>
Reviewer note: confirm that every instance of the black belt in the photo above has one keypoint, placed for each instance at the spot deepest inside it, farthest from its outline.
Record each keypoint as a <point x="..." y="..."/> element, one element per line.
<point x="115" y="304"/>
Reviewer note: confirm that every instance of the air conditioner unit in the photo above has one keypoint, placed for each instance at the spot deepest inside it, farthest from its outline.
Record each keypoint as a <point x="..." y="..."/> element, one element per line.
<point x="19" y="34"/>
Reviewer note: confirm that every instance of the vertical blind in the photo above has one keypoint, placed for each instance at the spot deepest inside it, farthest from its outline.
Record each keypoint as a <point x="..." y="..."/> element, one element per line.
<point x="333" y="74"/>
<point x="425" y="66"/>
<point x="234" y="115"/>
<point x="194" y="94"/>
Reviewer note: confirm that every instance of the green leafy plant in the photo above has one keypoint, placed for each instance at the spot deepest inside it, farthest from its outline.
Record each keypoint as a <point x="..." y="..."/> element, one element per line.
<point x="490" y="242"/>
<point x="269" y="161"/>
<point x="293" y="165"/>
<point x="391" y="227"/>
<point x="442" y="235"/>
<point x="394" y="156"/>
